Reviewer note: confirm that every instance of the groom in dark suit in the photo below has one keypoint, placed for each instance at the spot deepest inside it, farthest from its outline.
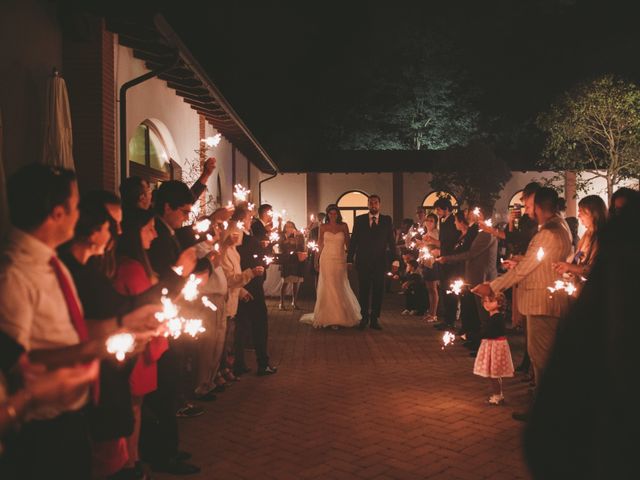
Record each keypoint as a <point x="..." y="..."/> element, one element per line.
<point x="373" y="244"/>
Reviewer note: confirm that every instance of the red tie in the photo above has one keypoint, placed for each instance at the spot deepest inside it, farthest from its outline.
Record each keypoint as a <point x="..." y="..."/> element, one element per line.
<point x="77" y="318"/>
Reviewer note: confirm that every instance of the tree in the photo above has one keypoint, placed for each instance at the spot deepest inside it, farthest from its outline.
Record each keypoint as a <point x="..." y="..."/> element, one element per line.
<point x="473" y="174"/>
<point x="595" y="127"/>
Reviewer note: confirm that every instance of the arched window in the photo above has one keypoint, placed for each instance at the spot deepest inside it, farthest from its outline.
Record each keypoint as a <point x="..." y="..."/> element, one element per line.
<point x="430" y="199"/>
<point x="352" y="204"/>
<point x="149" y="154"/>
<point x="516" y="200"/>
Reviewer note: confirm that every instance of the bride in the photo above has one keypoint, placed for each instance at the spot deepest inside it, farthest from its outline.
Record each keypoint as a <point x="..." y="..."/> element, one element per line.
<point x="336" y="305"/>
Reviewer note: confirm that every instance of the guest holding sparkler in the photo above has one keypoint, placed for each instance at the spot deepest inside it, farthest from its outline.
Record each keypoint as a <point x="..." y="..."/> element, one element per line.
<point x="592" y="213"/>
<point x="621" y="198"/>
<point x="494" y="356"/>
<point x="534" y="273"/>
<point x="263" y="224"/>
<point x="292" y="261"/>
<point x="430" y="270"/>
<point x="135" y="193"/>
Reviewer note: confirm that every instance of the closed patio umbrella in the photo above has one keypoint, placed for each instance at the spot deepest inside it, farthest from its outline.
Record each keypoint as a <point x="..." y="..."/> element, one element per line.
<point x="58" y="142"/>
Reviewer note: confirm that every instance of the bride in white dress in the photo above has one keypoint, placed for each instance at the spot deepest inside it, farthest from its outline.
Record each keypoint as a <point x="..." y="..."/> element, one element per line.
<point x="336" y="304"/>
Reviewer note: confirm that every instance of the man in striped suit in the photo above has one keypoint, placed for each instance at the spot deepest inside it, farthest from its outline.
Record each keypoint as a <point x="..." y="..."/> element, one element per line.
<point x="533" y="274"/>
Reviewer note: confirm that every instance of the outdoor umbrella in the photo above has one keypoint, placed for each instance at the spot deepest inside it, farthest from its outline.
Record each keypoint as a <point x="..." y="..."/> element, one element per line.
<point x="4" y="208"/>
<point x="58" y="142"/>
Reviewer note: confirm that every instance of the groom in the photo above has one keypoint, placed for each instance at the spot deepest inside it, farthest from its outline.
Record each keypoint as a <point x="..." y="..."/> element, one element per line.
<point x="371" y="239"/>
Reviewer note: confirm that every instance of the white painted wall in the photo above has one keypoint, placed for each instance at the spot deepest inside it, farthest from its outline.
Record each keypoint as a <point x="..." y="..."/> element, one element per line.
<point x="287" y="192"/>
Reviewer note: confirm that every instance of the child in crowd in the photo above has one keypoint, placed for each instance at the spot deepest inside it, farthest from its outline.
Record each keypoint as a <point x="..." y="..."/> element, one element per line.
<point x="414" y="290"/>
<point x="494" y="357"/>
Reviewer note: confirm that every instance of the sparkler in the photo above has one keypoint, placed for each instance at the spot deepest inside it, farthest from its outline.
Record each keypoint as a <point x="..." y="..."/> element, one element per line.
<point x="488" y="222"/>
<point x="212" y="141"/>
<point x="179" y="271"/>
<point x="120" y="344"/>
<point x="209" y="237"/>
<point x="425" y="254"/>
<point x="568" y="287"/>
<point x="225" y="225"/>
<point x="190" y="290"/>
<point x="193" y="326"/>
<point x="202" y="226"/>
<point x="447" y="339"/>
<point x="251" y="206"/>
<point x="240" y="225"/>
<point x="240" y="193"/>
<point x="216" y="247"/>
<point x="274" y="236"/>
<point x="476" y="211"/>
<point x="268" y="260"/>
<point x="209" y="304"/>
<point x="540" y="254"/>
<point x="313" y="246"/>
<point x="456" y="287"/>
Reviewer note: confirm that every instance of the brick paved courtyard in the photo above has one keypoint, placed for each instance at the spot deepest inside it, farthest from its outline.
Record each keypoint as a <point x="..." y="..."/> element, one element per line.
<point x="363" y="405"/>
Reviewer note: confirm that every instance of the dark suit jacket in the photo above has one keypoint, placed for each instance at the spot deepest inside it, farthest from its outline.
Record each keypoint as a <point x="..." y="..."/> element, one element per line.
<point x="251" y="256"/>
<point x="165" y="249"/>
<point x="372" y="247"/>
<point x="480" y="259"/>
<point x="259" y="231"/>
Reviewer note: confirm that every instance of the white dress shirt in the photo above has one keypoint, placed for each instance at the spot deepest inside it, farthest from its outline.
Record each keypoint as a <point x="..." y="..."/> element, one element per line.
<point x="33" y="310"/>
<point x="371" y="217"/>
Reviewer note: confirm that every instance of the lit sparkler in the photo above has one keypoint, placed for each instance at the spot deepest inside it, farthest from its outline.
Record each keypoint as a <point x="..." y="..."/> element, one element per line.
<point x="476" y="211"/>
<point x="456" y="287"/>
<point x="192" y="326"/>
<point x="540" y="254"/>
<point x="202" y="226"/>
<point x="488" y="222"/>
<point x="225" y="225"/>
<point x="190" y="290"/>
<point x="209" y="237"/>
<point x="268" y="260"/>
<point x="251" y="206"/>
<point x="313" y="246"/>
<point x="179" y="270"/>
<point x="274" y="236"/>
<point x="567" y="287"/>
<point x="120" y="344"/>
<point x="240" y="193"/>
<point x="447" y="339"/>
<point x="212" y="141"/>
<point x="240" y="225"/>
<point x="209" y="304"/>
<point x="425" y="254"/>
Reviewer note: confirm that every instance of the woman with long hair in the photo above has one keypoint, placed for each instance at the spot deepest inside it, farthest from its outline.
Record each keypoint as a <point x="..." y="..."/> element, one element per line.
<point x="592" y="213"/>
<point x="292" y="261"/>
<point x="336" y="304"/>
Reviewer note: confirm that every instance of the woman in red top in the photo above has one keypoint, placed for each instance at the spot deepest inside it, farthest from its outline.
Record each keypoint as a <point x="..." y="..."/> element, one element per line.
<point x="134" y="276"/>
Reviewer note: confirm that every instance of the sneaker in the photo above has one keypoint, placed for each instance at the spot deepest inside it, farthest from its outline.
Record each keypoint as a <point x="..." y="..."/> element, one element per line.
<point x="189" y="410"/>
<point x="405" y="312"/>
<point x="413" y="312"/>
<point x="496" y="400"/>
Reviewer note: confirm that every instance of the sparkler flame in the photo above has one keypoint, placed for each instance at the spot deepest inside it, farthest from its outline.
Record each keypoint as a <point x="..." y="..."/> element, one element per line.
<point x="225" y="224"/>
<point x="274" y="236"/>
<point x="476" y="211"/>
<point x="212" y="141"/>
<point x="179" y="270"/>
<point x="567" y="287"/>
<point x="209" y="304"/>
<point x="488" y="222"/>
<point x="447" y="339"/>
<point x="313" y="246"/>
<point x="192" y="326"/>
<point x="425" y="254"/>
<point x="456" y="287"/>
<point x="120" y="344"/>
<point x="202" y="226"/>
<point x="240" y="225"/>
<point x="240" y="193"/>
<point x="268" y="260"/>
<point x="190" y="290"/>
<point x="540" y="254"/>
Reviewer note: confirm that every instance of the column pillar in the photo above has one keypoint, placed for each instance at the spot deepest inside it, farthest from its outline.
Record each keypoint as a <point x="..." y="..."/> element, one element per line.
<point x="313" y="197"/>
<point x="398" y="198"/>
<point x="570" y="193"/>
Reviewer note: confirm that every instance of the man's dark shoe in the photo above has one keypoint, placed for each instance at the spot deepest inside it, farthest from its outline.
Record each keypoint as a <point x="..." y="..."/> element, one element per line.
<point x="268" y="370"/>
<point x="520" y="416"/>
<point x="189" y="410"/>
<point x="375" y="326"/>
<point x="363" y="324"/>
<point x="176" y="467"/>
<point x="183" y="456"/>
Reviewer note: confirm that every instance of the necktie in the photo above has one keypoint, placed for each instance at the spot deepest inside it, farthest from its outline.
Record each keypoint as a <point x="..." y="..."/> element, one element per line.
<point x="77" y="318"/>
<point x="374" y="222"/>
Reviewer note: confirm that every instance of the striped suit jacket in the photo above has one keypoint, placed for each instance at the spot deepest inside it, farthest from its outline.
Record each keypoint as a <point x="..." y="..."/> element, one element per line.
<point x="533" y="276"/>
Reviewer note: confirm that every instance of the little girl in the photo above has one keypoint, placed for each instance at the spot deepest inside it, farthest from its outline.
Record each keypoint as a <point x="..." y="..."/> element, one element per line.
<point x="494" y="357"/>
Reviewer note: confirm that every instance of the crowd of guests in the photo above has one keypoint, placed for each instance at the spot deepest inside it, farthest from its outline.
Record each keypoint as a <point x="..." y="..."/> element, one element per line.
<point x="535" y="249"/>
<point x="77" y="270"/>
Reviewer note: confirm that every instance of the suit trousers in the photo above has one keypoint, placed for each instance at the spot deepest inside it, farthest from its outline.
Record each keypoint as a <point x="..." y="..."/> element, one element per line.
<point x="56" y="448"/>
<point x="448" y="302"/>
<point x="370" y="292"/>
<point x="252" y="316"/>
<point x="160" y="441"/>
<point x="211" y="343"/>
<point x="469" y="316"/>
<point x="541" y="337"/>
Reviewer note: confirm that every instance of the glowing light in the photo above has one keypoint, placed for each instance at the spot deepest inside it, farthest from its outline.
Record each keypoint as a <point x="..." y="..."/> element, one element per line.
<point x="456" y="287"/>
<point x="209" y="304"/>
<point x="389" y="274"/>
<point x="120" y="344"/>
<point x="225" y="224"/>
<point x="540" y="254"/>
<point x="313" y="246"/>
<point x="192" y="326"/>
<point x="274" y="236"/>
<point x="251" y="206"/>
<point x="561" y="285"/>
<point x="190" y="290"/>
<point x="268" y="260"/>
<point x="212" y="141"/>
<point x="447" y="339"/>
<point x="216" y="247"/>
<point x="488" y="222"/>
<point x="240" y="193"/>
<point x="312" y="217"/>
<point x="476" y="211"/>
<point x="209" y="237"/>
<point x="202" y="226"/>
<point x="174" y="327"/>
<point x="179" y="270"/>
<point x="240" y="225"/>
<point x="425" y="254"/>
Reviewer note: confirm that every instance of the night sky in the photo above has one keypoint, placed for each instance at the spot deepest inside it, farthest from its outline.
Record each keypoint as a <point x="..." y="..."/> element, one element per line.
<point x="293" y="71"/>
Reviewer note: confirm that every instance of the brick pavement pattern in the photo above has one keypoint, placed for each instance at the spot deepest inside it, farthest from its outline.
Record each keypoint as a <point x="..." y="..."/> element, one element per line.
<point x="348" y="404"/>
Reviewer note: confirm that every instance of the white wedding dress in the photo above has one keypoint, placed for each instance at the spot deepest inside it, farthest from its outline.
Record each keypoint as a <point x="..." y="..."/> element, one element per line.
<point x="336" y="304"/>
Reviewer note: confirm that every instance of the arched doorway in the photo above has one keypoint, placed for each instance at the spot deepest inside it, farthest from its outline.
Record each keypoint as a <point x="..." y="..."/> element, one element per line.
<point x="352" y="204"/>
<point x="431" y="198"/>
